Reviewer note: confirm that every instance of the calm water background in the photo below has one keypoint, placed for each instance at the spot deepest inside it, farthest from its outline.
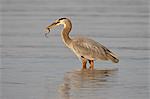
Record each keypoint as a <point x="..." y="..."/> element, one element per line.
<point x="34" y="67"/>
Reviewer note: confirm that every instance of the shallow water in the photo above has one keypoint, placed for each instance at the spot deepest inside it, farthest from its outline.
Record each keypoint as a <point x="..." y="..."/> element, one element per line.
<point x="34" y="67"/>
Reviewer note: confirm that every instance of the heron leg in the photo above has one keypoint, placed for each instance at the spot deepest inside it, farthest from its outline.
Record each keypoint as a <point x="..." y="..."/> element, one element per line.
<point x="84" y="61"/>
<point x="91" y="64"/>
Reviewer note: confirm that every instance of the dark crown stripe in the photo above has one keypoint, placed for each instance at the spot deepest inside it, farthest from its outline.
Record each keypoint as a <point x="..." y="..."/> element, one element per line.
<point x="62" y="18"/>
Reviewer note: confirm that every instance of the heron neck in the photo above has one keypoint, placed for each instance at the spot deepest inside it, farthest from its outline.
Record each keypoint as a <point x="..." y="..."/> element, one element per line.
<point x="65" y="33"/>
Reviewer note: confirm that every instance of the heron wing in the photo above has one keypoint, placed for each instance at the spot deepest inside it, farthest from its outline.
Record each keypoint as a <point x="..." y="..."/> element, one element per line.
<point x="89" y="49"/>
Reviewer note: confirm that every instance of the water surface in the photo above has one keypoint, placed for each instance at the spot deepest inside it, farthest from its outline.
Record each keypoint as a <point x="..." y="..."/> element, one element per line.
<point x="34" y="67"/>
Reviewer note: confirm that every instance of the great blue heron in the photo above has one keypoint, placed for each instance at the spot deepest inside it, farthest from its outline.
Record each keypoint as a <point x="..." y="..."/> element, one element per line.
<point x="85" y="48"/>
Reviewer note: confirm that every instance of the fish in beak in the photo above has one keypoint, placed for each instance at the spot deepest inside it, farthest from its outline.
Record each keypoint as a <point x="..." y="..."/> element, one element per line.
<point x="48" y="28"/>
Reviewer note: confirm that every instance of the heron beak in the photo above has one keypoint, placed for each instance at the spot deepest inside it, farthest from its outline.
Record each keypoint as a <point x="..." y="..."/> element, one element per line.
<point x="47" y="30"/>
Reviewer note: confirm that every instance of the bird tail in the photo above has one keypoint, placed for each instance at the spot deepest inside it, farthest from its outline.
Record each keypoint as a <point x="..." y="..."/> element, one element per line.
<point x="112" y="57"/>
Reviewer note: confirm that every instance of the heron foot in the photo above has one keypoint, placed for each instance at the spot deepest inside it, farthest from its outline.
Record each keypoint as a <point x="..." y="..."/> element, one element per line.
<point x="91" y="64"/>
<point x="84" y="61"/>
<point x="83" y="66"/>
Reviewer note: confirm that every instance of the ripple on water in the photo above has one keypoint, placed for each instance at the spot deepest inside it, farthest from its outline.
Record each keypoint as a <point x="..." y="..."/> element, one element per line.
<point x="86" y="80"/>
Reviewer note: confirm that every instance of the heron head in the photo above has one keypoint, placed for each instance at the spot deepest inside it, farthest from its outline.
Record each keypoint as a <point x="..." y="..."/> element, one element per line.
<point x="54" y="24"/>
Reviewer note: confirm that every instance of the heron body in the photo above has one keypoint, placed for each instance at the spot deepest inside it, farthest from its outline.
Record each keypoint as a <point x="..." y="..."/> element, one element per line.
<point x="85" y="48"/>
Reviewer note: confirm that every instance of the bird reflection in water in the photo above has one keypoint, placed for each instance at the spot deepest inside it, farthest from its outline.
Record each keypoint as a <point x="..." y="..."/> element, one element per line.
<point x="78" y="80"/>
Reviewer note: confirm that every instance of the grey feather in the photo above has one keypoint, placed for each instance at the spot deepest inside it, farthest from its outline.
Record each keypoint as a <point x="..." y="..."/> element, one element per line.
<point x="91" y="49"/>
